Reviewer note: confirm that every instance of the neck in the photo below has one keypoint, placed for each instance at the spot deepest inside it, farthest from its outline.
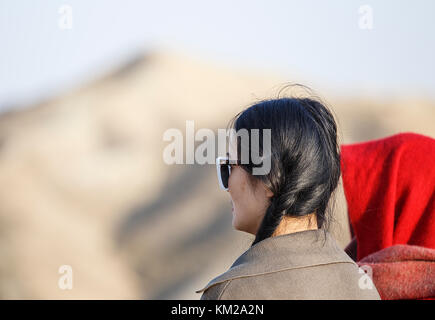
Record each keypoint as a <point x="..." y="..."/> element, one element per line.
<point x="296" y="224"/>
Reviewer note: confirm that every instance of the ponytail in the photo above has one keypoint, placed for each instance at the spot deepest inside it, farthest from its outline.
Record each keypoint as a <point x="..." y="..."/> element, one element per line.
<point x="305" y="166"/>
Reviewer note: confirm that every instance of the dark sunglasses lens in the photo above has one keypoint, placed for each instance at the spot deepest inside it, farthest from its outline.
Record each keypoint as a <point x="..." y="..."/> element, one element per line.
<point x="225" y="174"/>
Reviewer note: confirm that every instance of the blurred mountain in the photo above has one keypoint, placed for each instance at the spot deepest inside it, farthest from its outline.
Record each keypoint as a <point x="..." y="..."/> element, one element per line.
<point x="84" y="183"/>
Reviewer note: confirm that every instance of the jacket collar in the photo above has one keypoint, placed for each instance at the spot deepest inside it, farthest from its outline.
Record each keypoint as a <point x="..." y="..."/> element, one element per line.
<point x="284" y="252"/>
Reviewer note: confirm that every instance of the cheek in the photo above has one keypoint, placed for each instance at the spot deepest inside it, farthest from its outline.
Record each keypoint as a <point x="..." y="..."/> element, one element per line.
<point x="246" y="208"/>
<point x="237" y="187"/>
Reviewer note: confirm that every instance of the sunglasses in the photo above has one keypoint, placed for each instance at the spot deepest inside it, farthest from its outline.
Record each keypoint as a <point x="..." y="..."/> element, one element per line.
<point x="223" y="167"/>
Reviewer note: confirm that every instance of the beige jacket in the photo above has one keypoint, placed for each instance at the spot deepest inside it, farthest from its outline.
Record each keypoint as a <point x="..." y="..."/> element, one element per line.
<point x="302" y="265"/>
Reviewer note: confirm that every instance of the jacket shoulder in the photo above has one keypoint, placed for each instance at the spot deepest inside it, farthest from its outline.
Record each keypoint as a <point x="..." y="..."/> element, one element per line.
<point x="216" y="291"/>
<point x="336" y="281"/>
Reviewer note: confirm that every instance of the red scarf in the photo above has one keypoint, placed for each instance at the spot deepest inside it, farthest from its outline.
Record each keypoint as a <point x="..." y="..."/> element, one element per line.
<point x="389" y="186"/>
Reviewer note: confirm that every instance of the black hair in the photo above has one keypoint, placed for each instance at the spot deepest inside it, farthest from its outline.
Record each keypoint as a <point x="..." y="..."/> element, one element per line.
<point x="305" y="157"/>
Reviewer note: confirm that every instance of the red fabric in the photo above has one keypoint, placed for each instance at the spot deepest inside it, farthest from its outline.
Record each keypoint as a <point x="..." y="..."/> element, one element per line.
<point x="389" y="186"/>
<point x="402" y="272"/>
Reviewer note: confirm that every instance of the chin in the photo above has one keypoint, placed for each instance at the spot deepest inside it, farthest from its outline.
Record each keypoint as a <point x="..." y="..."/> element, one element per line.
<point x="237" y="226"/>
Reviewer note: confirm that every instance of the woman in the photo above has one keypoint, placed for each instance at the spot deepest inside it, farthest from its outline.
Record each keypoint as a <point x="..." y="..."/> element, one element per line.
<point x="292" y="256"/>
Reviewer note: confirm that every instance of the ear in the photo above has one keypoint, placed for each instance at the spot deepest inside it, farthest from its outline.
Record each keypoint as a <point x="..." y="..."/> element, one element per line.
<point x="266" y="190"/>
<point x="269" y="193"/>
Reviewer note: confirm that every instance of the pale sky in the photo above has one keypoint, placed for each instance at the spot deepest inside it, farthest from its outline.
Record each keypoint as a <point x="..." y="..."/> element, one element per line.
<point x="319" y="40"/>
